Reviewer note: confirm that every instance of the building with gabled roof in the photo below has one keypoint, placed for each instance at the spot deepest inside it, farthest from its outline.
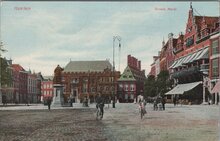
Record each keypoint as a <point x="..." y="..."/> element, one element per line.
<point x="131" y="81"/>
<point x="88" y="78"/>
<point x="192" y="61"/>
<point x="20" y="78"/>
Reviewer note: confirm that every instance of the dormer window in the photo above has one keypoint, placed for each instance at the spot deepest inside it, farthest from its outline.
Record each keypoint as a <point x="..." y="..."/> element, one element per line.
<point x="189" y="41"/>
<point x="189" y="29"/>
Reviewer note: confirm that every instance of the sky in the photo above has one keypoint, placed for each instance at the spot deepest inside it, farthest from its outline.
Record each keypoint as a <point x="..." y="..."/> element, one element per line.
<point x="41" y="35"/>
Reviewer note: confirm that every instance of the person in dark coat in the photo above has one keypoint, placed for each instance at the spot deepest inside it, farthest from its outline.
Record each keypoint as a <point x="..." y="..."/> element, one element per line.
<point x="174" y="100"/>
<point x="100" y="103"/>
<point x="49" y="103"/>
<point x="163" y="101"/>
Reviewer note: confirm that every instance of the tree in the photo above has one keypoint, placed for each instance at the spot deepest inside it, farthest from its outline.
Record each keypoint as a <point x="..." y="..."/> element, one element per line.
<point x="150" y="86"/>
<point x="160" y="85"/>
<point x="163" y="82"/>
<point x="6" y="78"/>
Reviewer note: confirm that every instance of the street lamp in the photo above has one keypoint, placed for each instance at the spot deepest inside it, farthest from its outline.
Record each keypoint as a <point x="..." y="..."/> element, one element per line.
<point x="113" y="69"/>
<point x="205" y="77"/>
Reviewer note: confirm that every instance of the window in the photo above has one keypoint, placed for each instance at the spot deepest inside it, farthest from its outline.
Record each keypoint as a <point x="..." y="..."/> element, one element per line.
<point x="215" y="68"/>
<point x="132" y="87"/>
<point x="126" y="87"/>
<point x="120" y="85"/>
<point x="75" y="80"/>
<point x="215" y="48"/>
<point x="107" y="89"/>
<point x="189" y="41"/>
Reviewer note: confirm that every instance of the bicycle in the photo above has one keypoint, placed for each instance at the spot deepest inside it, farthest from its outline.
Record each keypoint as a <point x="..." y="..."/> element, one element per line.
<point x="142" y="110"/>
<point x="99" y="114"/>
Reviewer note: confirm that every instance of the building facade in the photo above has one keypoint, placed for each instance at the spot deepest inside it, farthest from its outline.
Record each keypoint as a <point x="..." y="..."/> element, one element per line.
<point x="34" y="87"/>
<point x="192" y="61"/>
<point x="131" y="82"/>
<point x="88" y="78"/>
<point x="154" y="66"/>
<point x="47" y="88"/>
<point x="193" y="58"/>
<point x="214" y="68"/>
<point x="20" y="77"/>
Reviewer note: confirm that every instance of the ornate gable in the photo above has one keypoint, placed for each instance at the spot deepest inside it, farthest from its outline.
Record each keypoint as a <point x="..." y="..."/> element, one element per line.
<point x="127" y="75"/>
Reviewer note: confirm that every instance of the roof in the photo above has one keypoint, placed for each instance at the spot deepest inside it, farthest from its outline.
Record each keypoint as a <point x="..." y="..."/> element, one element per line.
<point x="85" y="66"/>
<point x="48" y="78"/>
<point x="127" y="75"/>
<point x="17" y="67"/>
<point x="131" y="74"/>
<point x="210" y="21"/>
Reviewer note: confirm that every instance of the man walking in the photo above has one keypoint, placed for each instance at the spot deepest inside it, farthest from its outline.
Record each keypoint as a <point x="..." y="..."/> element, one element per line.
<point x="163" y="101"/>
<point x="49" y="103"/>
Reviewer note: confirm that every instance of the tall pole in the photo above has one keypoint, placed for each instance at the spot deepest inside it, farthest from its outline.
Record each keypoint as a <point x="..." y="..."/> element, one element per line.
<point x="113" y="69"/>
<point x="204" y="86"/>
<point x="0" y="52"/>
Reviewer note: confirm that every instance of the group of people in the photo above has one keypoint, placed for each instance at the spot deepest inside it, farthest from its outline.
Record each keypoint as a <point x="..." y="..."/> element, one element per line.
<point x="159" y="103"/>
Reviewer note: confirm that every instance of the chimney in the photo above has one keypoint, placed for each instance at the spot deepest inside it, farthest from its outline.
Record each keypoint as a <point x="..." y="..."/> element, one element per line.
<point x="129" y="60"/>
<point x="139" y="64"/>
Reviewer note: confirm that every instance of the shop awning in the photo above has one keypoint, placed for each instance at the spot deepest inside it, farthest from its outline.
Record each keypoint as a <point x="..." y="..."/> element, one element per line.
<point x="216" y="88"/>
<point x="181" y="88"/>
<point x="203" y="55"/>
<point x="200" y="54"/>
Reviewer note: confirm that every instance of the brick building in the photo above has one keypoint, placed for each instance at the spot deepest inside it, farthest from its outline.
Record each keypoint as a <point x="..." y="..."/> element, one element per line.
<point x="155" y="66"/>
<point x="214" y="68"/>
<point x="166" y="54"/>
<point x="192" y="60"/>
<point x="131" y="82"/>
<point x="87" y="79"/>
<point x="47" y="88"/>
<point x="20" y="77"/>
<point x="165" y="57"/>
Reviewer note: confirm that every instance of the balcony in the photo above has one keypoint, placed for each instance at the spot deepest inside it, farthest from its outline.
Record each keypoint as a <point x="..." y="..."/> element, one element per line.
<point x="204" y="67"/>
<point x="186" y="72"/>
<point x="177" y="50"/>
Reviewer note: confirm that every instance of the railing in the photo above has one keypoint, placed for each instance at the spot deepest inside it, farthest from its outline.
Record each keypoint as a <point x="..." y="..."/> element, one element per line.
<point x="186" y="72"/>
<point x="204" y="67"/>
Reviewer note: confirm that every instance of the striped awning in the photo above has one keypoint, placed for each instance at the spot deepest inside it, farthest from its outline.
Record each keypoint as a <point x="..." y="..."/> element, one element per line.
<point x="200" y="54"/>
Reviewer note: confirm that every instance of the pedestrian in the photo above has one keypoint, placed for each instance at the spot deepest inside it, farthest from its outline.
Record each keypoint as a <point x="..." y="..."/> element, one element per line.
<point x="155" y="105"/>
<point x="163" y="101"/>
<point x="48" y="103"/>
<point x="174" y="100"/>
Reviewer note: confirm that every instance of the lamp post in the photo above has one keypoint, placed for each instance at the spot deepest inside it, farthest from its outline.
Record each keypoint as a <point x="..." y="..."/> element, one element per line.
<point x="113" y="69"/>
<point x="205" y="77"/>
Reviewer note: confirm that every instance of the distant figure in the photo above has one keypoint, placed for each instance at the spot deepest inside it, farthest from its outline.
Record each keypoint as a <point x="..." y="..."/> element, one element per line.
<point x="174" y="100"/>
<point x="85" y="102"/>
<point x="4" y="100"/>
<point x="49" y="103"/>
<point x="163" y="101"/>
<point x="155" y="105"/>
<point x="100" y="103"/>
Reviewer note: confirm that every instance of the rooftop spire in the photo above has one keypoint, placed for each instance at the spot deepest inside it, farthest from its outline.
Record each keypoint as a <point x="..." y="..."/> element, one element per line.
<point x="191" y="5"/>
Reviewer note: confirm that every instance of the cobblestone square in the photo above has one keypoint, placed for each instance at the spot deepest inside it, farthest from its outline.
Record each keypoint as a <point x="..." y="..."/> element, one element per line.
<point x="123" y="123"/>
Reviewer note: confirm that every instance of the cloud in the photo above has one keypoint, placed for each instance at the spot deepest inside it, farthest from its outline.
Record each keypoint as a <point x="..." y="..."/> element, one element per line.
<point x="49" y="35"/>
